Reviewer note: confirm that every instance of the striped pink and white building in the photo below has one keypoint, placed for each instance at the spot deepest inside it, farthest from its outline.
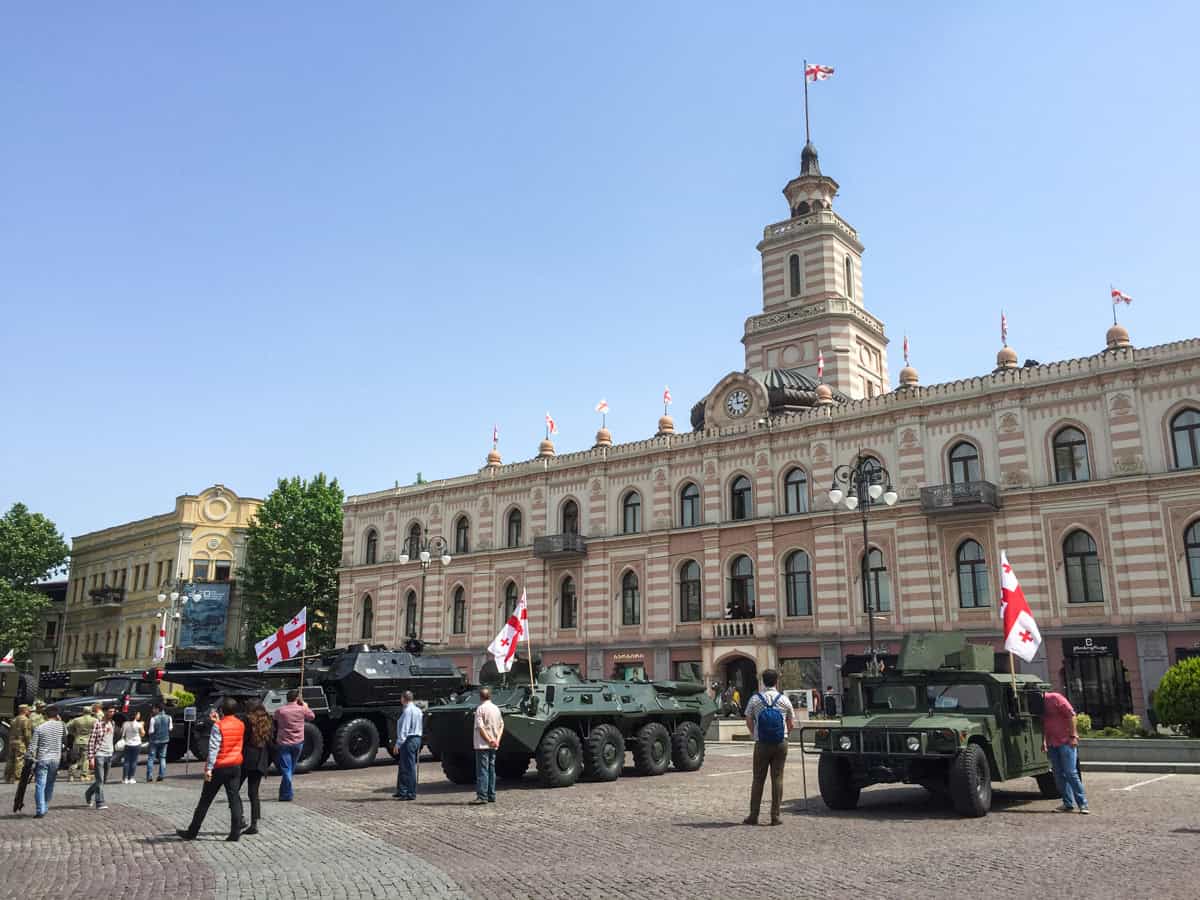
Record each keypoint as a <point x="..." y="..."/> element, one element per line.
<point x="714" y="553"/>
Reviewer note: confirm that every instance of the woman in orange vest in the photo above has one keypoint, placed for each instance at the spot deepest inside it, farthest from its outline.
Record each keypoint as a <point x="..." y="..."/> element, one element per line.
<point x="222" y="769"/>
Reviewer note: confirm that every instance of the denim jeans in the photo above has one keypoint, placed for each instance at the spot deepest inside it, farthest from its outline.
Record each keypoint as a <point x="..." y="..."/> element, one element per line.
<point x="44" y="775"/>
<point x="406" y="769"/>
<point x="158" y="750"/>
<point x="1064" y="762"/>
<point x="485" y="774"/>
<point x="286" y="759"/>
<point x="99" y="776"/>
<point x="130" y="760"/>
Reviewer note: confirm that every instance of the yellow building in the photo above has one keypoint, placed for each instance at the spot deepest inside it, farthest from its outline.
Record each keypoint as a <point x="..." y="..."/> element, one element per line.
<point x="118" y="573"/>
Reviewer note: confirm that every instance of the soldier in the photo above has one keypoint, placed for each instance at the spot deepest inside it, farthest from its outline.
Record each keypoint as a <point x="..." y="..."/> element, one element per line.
<point x="20" y="733"/>
<point x="79" y="730"/>
<point x="38" y="716"/>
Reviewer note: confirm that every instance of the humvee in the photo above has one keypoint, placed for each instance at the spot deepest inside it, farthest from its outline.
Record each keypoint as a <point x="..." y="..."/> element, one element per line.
<point x="943" y="719"/>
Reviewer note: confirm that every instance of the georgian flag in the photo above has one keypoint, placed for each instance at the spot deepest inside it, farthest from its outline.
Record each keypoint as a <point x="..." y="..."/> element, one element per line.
<point x="666" y="396"/>
<point x="1003" y="329"/>
<point x="7" y="658"/>
<point x="1021" y="635"/>
<point x="602" y="407"/>
<point x="906" y="349"/>
<point x="820" y="364"/>
<point x="1118" y="297"/>
<point x="287" y="642"/>
<point x="495" y="434"/>
<point x="160" y="646"/>
<point x="551" y="428"/>
<point x="504" y="647"/>
<point x="813" y="72"/>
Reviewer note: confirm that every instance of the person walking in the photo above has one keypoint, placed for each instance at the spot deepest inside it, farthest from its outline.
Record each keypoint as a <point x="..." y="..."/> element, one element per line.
<point x="769" y="717"/>
<point x="99" y="754"/>
<point x="158" y="736"/>
<point x="131" y="736"/>
<point x="256" y="758"/>
<point x="289" y="739"/>
<point x="409" y="731"/>
<point x="45" y="754"/>
<point x="20" y="733"/>
<point x="1060" y="740"/>
<point x="489" y="728"/>
<point x="222" y="769"/>
<point x="79" y="731"/>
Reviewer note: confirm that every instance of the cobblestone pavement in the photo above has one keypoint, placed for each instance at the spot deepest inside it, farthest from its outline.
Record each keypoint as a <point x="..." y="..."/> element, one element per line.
<point x="677" y="835"/>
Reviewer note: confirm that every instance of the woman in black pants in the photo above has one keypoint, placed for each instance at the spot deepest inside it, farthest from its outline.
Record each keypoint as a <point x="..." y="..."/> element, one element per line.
<point x="256" y="757"/>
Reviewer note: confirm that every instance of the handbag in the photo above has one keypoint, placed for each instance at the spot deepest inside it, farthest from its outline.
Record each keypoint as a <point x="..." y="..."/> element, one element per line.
<point x="119" y="746"/>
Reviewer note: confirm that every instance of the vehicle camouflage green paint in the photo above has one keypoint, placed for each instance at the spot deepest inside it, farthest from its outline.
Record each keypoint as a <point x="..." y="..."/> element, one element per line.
<point x="941" y="719"/>
<point x="573" y="727"/>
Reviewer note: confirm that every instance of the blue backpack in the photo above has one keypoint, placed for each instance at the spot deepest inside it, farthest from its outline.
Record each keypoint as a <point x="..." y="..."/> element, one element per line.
<point x="771" y="728"/>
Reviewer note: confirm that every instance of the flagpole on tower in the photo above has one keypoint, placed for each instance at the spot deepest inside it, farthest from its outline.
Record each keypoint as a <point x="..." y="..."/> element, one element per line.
<point x="804" y="72"/>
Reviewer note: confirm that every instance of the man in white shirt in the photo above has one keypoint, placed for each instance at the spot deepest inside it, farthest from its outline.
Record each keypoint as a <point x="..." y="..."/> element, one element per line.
<point x="409" y="730"/>
<point x="770" y="717"/>
<point x="489" y="728"/>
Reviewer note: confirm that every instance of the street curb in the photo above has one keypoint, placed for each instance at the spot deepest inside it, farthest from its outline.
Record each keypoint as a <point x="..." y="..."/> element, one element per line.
<point x="1152" y="768"/>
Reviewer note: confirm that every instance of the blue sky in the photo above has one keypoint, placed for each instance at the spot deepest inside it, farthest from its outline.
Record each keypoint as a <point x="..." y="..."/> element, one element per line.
<point x="238" y="244"/>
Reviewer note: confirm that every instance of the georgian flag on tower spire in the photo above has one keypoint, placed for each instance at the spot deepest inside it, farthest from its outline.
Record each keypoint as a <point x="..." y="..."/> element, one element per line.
<point x="813" y="72"/>
<point x="1118" y="297"/>
<point x="1021" y="635"/>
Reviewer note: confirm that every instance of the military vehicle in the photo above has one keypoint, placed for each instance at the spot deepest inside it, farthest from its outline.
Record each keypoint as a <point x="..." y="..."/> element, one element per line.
<point x="941" y="718"/>
<point x="574" y="727"/>
<point x="354" y="693"/>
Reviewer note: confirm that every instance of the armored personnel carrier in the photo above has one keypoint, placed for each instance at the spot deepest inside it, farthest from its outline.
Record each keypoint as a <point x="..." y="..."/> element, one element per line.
<point x="574" y="727"/>
<point x="941" y="718"/>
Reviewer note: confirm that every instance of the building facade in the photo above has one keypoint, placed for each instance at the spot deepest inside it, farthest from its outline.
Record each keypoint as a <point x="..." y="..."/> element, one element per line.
<point x="116" y="576"/>
<point x="715" y="553"/>
<point x="44" y="648"/>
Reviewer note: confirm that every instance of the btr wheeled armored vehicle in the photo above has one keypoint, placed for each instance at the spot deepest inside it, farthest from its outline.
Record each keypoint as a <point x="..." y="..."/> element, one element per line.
<point x="574" y="727"/>
<point x="941" y="718"/>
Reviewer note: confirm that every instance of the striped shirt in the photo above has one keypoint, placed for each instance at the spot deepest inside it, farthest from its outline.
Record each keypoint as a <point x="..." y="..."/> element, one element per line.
<point x="47" y="743"/>
<point x="764" y="698"/>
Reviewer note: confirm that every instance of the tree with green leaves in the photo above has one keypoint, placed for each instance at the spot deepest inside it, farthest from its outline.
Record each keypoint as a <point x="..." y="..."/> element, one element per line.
<point x="31" y="549"/>
<point x="293" y="550"/>
<point x="1177" y="697"/>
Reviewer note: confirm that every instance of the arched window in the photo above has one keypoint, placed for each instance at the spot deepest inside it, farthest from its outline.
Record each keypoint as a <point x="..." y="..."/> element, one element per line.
<point x="741" y="588"/>
<point x="414" y="541"/>
<point x="1070" y="456"/>
<point x="879" y="583"/>
<point x="740" y="498"/>
<point x="410" y="614"/>
<point x="794" y="284"/>
<point x="798" y="583"/>
<point x="972" y="576"/>
<point x="510" y="599"/>
<point x="137" y="643"/>
<point x="368" y="620"/>
<point x="1185" y="438"/>
<point x="372" y="547"/>
<point x="849" y="277"/>
<point x="689" y="592"/>
<point x="795" y="491"/>
<point x="108" y="641"/>
<point x="631" y="513"/>
<point x="128" y="641"/>
<point x="1191" y="545"/>
<point x="458" y="618"/>
<point x="570" y="517"/>
<point x="1083" y="569"/>
<point x="964" y="463"/>
<point x="566" y="603"/>
<point x="631" y="601"/>
<point x="514" y="528"/>
<point x="689" y="505"/>
<point x="462" y="535"/>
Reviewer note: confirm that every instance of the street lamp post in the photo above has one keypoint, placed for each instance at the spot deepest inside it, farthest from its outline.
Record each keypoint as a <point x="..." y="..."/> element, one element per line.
<point x="865" y="481"/>
<point x="428" y="549"/>
<point x="172" y="616"/>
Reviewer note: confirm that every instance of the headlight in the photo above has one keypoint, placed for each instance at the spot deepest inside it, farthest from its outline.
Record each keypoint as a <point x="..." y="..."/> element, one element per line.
<point x="844" y="742"/>
<point x="913" y="743"/>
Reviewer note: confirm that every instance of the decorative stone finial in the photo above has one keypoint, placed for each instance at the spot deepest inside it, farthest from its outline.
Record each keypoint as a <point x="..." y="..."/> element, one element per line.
<point x="603" y="437"/>
<point x="824" y="395"/>
<point x="909" y="377"/>
<point x="666" y="425"/>
<point x="493" y="457"/>
<point x="1006" y="359"/>
<point x="1117" y="338"/>
<point x="545" y="448"/>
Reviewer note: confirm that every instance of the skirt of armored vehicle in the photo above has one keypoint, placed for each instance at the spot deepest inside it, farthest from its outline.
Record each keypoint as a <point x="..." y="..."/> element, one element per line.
<point x="573" y="728"/>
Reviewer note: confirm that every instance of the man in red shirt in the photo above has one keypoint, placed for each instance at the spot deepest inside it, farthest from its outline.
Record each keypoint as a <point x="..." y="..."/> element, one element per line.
<point x="289" y="739"/>
<point x="1060" y="742"/>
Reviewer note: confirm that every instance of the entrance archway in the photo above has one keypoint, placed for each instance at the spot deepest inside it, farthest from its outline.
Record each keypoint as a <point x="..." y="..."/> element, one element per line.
<point x="741" y="673"/>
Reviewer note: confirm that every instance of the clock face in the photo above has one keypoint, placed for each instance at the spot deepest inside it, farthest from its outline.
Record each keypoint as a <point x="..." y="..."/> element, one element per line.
<point x="737" y="403"/>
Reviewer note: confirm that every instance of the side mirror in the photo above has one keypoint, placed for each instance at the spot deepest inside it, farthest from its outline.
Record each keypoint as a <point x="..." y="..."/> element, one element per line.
<point x="1036" y="702"/>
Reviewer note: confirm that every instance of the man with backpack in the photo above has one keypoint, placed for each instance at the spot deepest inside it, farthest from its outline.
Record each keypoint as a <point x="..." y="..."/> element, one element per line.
<point x="769" y="716"/>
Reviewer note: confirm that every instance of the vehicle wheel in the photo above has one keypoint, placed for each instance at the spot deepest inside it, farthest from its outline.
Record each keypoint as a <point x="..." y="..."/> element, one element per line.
<point x="355" y="744"/>
<point x="511" y="766"/>
<point x="176" y="750"/>
<point x="1048" y="786"/>
<point x="652" y="749"/>
<point x="459" y="768"/>
<point x="314" y="754"/>
<point x="687" y="747"/>
<point x="837" y="782"/>
<point x="971" y="782"/>
<point x="559" y="757"/>
<point x="604" y="753"/>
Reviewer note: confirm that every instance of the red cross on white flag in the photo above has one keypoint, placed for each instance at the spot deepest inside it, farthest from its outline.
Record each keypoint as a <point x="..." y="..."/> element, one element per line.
<point x="7" y="658"/>
<point x="1118" y="297"/>
<point x="551" y="425"/>
<point x="160" y="645"/>
<point x="820" y="364"/>
<point x="1021" y="635"/>
<point x="504" y="648"/>
<point x="813" y="72"/>
<point x="287" y="642"/>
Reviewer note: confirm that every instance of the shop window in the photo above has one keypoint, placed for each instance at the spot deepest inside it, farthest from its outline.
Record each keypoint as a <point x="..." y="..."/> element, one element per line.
<point x="570" y="517"/>
<point x="410" y="614"/>
<point x="514" y="528"/>
<point x="1191" y="544"/>
<point x="368" y="619"/>
<point x="800" y="673"/>
<point x="566" y="604"/>
<point x="631" y="601"/>
<point x="797" y="581"/>
<point x="879" y="583"/>
<point x="973" y="589"/>
<point x="688" y="671"/>
<point x="740" y="498"/>
<point x="631" y="513"/>
<point x="1070" y="456"/>
<point x="689" y="506"/>
<point x="372" y="547"/>
<point x="462" y="535"/>
<point x="1083" y="569"/>
<point x="1185" y="438"/>
<point x="741" y="588"/>
<point x="795" y="491"/>
<point x="459" y="614"/>
<point x="689" y="592"/>
<point x="964" y="463"/>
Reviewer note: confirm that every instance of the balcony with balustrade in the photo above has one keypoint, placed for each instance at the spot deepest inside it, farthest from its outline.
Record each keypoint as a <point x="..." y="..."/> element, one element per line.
<point x="560" y="546"/>
<point x="749" y="629"/>
<point x="962" y="497"/>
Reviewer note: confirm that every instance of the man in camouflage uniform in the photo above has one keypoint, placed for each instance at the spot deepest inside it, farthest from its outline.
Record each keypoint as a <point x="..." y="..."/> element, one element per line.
<point x="20" y="733"/>
<point x="79" y="730"/>
<point x="37" y="717"/>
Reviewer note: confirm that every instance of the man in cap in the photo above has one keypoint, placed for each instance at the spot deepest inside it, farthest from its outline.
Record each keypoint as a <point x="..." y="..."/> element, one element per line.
<point x="79" y="731"/>
<point x="38" y="716"/>
<point x="20" y="733"/>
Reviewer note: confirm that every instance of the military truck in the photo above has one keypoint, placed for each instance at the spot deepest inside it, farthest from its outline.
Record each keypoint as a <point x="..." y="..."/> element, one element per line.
<point x="573" y="727"/>
<point x="354" y="693"/>
<point x="941" y="718"/>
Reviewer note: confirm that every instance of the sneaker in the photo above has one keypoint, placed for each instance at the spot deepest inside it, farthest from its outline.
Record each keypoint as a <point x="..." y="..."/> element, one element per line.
<point x="1083" y="810"/>
<point x="749" y="820"/>
<point x="478" y="801"/>
<point x="102" y="806"/>
<point x="159" y="778"/>
<point x="1064" y="808"/>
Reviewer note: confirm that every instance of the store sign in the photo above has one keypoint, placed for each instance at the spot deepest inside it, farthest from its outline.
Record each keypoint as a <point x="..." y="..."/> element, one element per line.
<point x="1091" y="645"/>
<point x="629" y="657"/>
<point x="205" y="616"/>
